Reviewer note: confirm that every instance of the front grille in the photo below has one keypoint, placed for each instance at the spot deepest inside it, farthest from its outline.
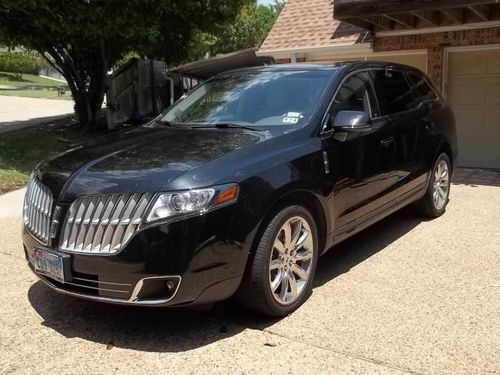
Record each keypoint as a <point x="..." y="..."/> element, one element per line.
<point x="103" y="224"/>
<point x="37" y="210"/>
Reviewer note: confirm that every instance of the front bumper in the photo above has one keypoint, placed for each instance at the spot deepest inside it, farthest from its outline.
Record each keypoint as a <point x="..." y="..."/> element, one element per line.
<point x="198" y="260"/>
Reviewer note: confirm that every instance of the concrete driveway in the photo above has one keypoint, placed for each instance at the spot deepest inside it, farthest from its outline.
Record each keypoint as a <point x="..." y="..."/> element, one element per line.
<point x="406" y="296"/>
<point x="17" y="113"/>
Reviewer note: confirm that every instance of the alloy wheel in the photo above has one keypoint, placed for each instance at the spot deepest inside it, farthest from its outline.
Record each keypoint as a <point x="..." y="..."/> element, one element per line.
<point x="441" y="186"/>
<point x="291" y="260"/>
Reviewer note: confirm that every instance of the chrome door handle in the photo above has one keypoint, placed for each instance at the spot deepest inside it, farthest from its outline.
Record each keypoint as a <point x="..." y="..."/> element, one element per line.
<point x="387" y="142"/>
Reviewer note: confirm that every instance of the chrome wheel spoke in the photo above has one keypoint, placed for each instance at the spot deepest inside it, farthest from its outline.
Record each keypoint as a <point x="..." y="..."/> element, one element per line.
<point x="279" y="246"/>
<point x="284" y="288"/>
<point x="287" y="231"/>
<point x="277" y="281"/>
<point x="293" y="285"/>
<point x="303" y="256"/>
<point x="276" y="264"/>
<point x="299" y="272"/>
<point x="296" y="233"/>
<point x="302" y="239"/>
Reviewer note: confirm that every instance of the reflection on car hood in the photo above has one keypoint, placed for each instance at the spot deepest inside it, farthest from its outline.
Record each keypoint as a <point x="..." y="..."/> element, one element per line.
<point x="139" y="160"/>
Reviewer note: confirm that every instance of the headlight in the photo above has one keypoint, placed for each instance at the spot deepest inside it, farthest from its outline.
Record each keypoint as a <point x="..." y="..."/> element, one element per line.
<point x="192" y="202"/>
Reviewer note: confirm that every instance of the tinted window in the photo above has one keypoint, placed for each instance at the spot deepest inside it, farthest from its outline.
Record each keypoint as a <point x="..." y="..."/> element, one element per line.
<point x="355" y="94"/>
<point x="422" y="89"/>
<point x="394" y="92"/>
<point x="263" y="98"/>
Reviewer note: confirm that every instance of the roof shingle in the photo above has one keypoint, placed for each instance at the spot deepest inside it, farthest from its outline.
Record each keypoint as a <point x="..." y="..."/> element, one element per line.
<point x="310" y="23"/>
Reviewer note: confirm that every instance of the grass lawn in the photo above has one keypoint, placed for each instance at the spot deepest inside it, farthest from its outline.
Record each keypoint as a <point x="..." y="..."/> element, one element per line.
<point x="12" y="86"/>
<point x="10" y="79"/>
<point x="22" y="150"/>
<point x="41" y="94"/>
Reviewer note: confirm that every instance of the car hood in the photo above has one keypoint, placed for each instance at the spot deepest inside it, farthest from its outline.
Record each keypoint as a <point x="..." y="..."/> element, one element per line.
<point x="138" y="160"/>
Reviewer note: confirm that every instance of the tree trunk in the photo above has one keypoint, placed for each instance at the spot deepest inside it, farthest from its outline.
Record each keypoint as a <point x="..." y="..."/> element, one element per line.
<point x="89" y="96"/>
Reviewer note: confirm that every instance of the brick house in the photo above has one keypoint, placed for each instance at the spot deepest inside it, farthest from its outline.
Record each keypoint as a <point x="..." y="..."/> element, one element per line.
<point x="457" y="42"/>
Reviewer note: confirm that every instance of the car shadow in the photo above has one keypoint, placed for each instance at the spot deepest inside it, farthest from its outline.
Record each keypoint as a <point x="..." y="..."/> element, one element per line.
<point x="357" y="249"/>
<point x="179" y="330"/>
<point x="475" y="177"/>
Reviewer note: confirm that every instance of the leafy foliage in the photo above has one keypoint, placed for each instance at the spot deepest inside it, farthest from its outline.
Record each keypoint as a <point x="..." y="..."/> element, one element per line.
<point x="248" y="30"/>
<point x="83" y="39"/>
<point x="19" y="63"/>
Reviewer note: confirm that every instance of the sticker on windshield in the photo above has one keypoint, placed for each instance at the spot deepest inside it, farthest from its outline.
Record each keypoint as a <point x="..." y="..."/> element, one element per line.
<point x="290" y="120"/>
<point x="292" y="117"/>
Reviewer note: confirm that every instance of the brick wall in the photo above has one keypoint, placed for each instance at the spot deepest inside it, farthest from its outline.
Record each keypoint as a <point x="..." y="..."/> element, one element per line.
<point x="435" y="43"/>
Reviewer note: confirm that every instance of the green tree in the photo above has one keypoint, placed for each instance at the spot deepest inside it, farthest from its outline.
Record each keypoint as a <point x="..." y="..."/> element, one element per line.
<point x="83" y="39"/>
<point x="19" y="63"/>
<point x="248" y="30"/>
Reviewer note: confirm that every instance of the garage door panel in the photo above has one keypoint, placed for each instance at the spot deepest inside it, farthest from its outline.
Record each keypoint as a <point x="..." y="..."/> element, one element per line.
<point x="493" y="90"/>
<point x="494" y="62"/>
<point x="470" y="152"/>
<point x="491" y="154"/>
<point x="474" y="93"/>
<point x="466" y="92"/>
<point x="469" y="123"/>
<point x="466" y="63"/>
<point x="492" y="125"/>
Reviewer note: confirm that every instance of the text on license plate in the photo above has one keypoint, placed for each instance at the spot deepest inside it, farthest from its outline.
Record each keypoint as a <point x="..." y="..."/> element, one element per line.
<point x="49" y="264"/>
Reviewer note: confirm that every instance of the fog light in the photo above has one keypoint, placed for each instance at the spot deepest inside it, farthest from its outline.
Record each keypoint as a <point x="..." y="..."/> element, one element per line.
<point x="170" y="286"/>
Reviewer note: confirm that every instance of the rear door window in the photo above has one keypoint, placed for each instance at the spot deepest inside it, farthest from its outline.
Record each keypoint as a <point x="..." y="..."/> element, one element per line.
<point x="394" y="93"/>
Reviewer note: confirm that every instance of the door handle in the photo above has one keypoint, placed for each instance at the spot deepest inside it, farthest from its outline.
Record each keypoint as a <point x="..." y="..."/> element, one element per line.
<point x="387" y="142"/>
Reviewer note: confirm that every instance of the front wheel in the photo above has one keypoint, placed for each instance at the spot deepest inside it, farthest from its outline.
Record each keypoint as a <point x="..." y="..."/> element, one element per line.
<point x="280" y="275"/>
<point x="435" y="200"/>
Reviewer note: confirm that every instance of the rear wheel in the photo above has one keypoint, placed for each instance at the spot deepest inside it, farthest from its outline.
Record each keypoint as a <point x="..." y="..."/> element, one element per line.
<point x="435" y="200"/>
<point x="280" y="275"/>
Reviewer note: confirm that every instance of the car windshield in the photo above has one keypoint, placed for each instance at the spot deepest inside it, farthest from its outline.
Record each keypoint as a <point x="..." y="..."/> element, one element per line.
<point x="252" y="98"/>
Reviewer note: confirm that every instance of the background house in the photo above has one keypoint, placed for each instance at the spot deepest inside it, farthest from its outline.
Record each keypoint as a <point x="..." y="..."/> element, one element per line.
<point x="457" y="42"/>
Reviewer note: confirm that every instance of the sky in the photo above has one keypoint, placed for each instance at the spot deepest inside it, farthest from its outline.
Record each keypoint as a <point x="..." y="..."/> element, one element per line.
<point x="265" y="2"/>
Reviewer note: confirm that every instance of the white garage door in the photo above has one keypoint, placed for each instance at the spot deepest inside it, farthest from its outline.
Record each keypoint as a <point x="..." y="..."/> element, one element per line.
<point x="474" y="93"/>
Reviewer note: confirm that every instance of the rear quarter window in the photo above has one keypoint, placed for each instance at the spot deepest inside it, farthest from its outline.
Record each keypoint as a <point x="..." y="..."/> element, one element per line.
<point x="422" y="88"/>
<point x="394" y="93"/>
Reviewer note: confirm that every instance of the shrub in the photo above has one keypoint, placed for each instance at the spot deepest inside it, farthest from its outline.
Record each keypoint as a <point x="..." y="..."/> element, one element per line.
<point x="19" y="63"/>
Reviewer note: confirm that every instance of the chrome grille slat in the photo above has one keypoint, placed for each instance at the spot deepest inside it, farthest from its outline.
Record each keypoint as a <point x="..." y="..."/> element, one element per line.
<point x="103" y="224"/>
<point x="38" y="203"/>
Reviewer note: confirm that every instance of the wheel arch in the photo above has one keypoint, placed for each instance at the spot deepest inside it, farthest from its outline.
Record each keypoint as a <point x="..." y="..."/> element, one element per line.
<point x="445" y="147"/>
<point x="312" y="203"/>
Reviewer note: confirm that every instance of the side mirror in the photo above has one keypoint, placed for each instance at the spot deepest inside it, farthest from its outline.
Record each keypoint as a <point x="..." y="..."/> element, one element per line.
<point x="352" y="122"/>
<point x="431" y="105"/>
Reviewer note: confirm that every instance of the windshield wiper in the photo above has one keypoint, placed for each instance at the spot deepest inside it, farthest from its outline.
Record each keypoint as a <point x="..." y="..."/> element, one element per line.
<point x="225" y="125"/>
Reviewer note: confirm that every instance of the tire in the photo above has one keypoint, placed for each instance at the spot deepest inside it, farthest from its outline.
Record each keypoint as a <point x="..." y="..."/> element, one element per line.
<point x="295" y="263"/>
<point x="432" y="205"/>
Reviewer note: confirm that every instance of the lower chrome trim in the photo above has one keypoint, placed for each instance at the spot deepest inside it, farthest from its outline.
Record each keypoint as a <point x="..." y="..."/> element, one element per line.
<point x="140" y="283"/>
<point x="130" y="301"/>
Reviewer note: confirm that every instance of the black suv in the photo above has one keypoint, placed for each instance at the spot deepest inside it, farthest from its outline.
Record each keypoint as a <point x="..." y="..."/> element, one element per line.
<point x="240" y="186"/>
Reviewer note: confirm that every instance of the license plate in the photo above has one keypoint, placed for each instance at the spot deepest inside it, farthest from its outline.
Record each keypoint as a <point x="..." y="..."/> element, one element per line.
<point x="49" y="264"/>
